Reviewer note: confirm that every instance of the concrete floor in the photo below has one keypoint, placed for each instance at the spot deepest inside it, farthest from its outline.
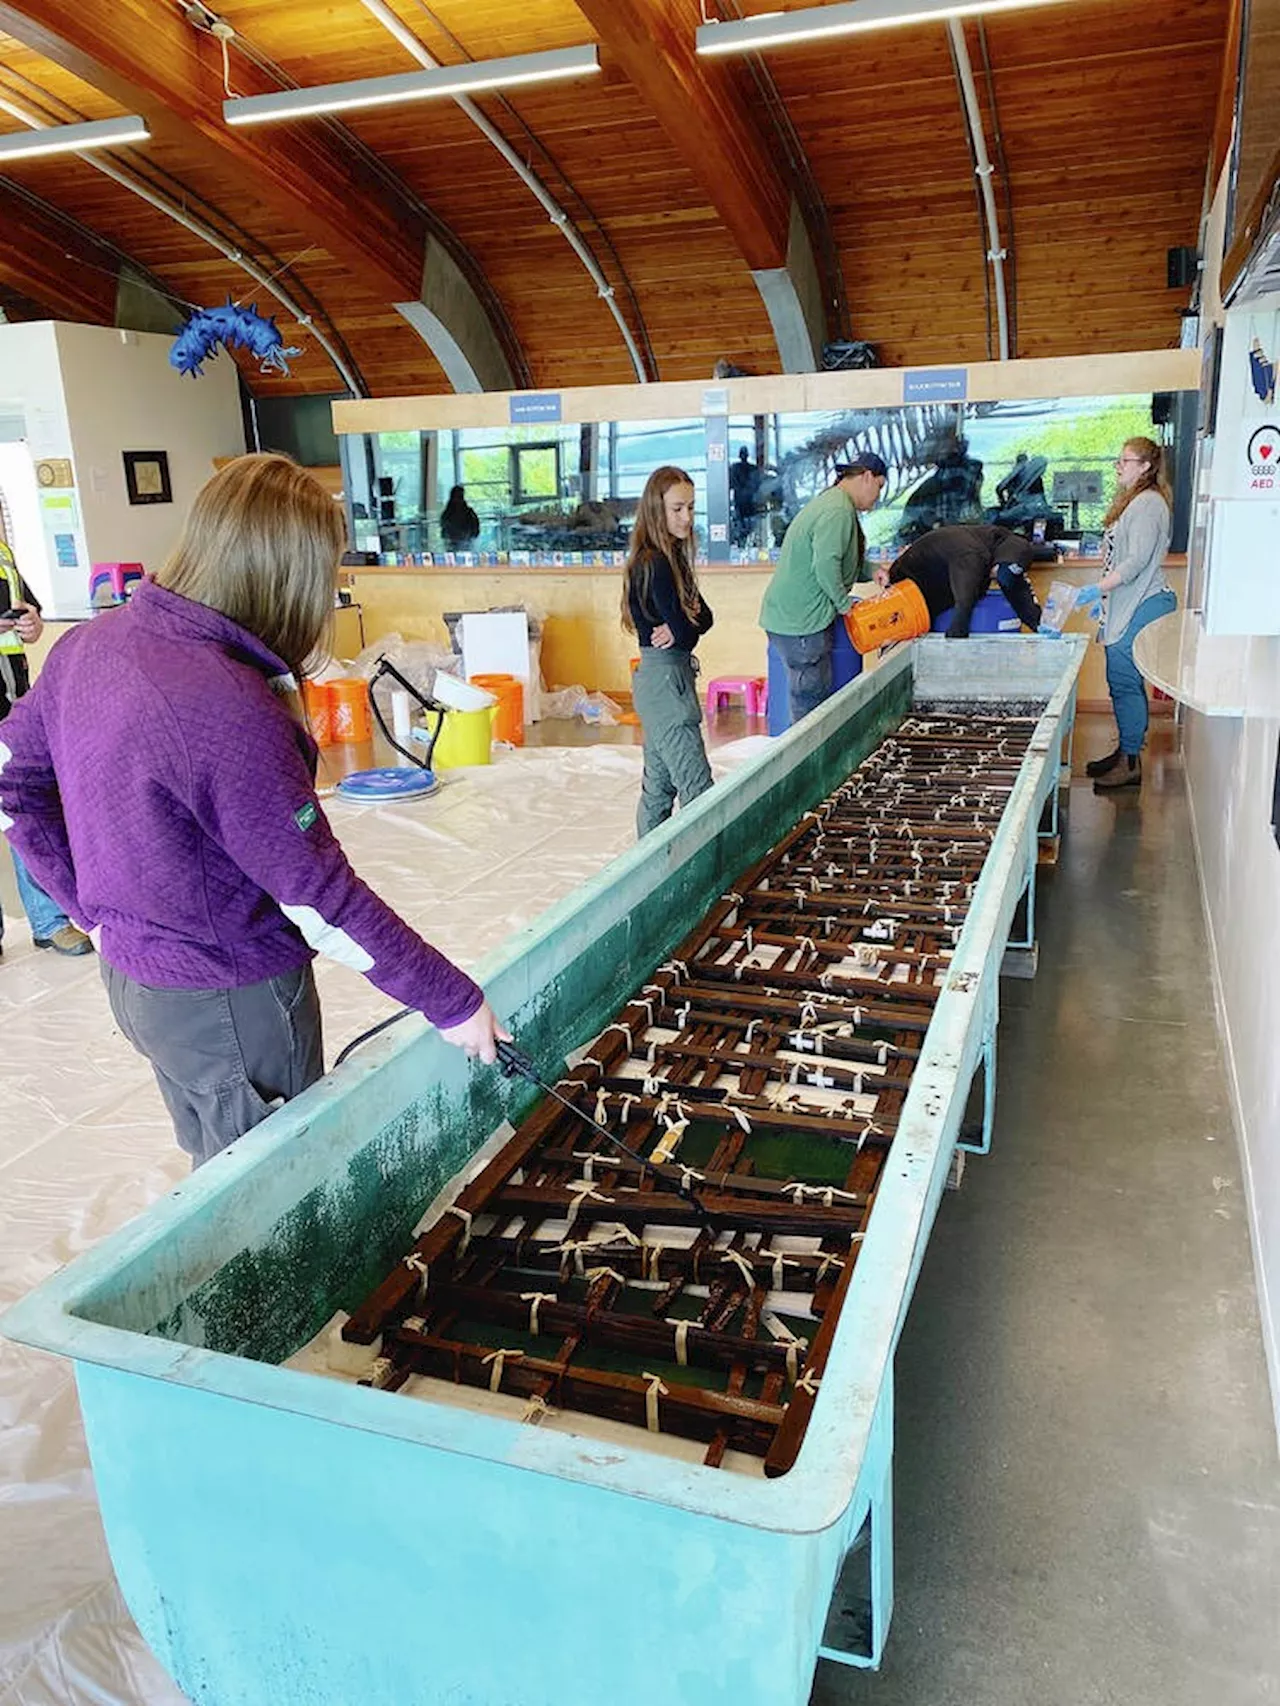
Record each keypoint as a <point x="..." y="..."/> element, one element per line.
<point x="1088" y="1501"/>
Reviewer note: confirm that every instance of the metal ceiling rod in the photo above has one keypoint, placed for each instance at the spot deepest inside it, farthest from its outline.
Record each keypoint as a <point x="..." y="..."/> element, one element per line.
<point x="207" y="234"/>
<point x="984" y="169"/>
<point x="558" y="216"/>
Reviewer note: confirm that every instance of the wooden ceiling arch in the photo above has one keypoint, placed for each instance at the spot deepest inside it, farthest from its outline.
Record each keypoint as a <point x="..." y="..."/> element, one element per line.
<point x="1107" y="120"/>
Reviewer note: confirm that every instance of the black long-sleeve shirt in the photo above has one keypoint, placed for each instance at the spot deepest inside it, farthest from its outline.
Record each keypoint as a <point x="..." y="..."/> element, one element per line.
<point x="664" y="606"/>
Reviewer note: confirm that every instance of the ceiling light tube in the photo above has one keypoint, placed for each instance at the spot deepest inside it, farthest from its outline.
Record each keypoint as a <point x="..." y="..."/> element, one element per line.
<point x="850" y="17"/>
<point x="72" y="138"/>
<point x="464" y="79"/>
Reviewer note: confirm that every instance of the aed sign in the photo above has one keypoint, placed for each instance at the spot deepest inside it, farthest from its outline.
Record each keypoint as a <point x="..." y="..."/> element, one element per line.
<point x="1263" y="456"/>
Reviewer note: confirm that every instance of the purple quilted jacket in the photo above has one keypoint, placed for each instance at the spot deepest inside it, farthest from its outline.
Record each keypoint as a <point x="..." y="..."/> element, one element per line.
<point x="155" y="783"/>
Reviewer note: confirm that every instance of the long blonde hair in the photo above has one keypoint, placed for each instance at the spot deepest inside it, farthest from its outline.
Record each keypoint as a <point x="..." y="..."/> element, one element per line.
<point x="650" y="539"/>
<point x="261" y="545"/>
<point x="1155" y="479"/>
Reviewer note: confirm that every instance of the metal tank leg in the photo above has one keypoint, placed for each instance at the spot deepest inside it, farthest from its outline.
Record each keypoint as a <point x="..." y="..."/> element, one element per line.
<point x="861" y="1607"/>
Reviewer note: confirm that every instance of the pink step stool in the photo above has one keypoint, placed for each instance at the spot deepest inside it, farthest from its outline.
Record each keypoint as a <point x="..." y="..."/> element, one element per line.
<point x="753" y="690"/>
<point x="117" y="576"/>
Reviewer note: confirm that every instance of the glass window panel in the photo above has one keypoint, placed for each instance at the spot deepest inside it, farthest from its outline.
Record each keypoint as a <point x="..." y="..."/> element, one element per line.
<point x="546" y="491"/>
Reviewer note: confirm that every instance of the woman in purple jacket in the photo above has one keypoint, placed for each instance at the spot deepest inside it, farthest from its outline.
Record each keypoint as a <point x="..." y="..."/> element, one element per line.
<point x="160" y="783"/>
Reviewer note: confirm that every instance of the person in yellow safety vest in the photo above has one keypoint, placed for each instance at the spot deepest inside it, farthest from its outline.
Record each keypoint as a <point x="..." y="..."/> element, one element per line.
<point x="20" y="626"/>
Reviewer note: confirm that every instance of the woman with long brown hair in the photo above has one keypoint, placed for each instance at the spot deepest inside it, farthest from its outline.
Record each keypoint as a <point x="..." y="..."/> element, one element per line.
<point x="662" y="607"/>
<point x="1134" y="544"/>
<point x="161" y="787"/>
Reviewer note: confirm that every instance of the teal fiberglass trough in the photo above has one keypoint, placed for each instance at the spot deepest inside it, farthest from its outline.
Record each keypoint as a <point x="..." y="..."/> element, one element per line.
<point x="288" y="1540"/>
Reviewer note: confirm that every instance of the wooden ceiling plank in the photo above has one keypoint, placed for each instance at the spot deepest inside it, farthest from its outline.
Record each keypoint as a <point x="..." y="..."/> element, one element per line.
<point x="54" y="266"/>
<point x="176" y="84"/>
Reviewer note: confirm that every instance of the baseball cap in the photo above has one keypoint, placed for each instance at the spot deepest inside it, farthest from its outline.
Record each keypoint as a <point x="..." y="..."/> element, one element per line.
<point x="867" y="462"/>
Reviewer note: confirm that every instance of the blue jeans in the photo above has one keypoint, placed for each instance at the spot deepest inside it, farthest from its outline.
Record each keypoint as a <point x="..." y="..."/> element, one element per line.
<point x="1124" y="679"/>
<point x="807" y="661"/>
<point x="43" y="914"/>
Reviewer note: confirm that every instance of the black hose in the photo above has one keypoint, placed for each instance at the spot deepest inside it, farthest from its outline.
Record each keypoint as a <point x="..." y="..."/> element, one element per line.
<point x="382" y="1025"/>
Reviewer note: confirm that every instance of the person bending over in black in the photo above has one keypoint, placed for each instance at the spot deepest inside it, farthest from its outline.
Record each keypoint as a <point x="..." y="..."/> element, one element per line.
<point x="953" y="567"/>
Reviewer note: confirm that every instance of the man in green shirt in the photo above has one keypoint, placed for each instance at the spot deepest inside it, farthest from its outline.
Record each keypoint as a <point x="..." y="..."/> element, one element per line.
<point x="823" y="554"/>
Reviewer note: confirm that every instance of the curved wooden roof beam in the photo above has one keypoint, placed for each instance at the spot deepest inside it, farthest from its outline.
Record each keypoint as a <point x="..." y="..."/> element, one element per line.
<point x="699" y="106"/>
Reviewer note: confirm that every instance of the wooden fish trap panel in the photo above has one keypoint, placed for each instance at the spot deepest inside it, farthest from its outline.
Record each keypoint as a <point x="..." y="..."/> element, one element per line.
<point x="760" y="1074"/>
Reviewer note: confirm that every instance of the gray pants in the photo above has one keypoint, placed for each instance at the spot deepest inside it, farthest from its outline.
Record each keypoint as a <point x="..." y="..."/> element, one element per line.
<point x="222" y="1057"/>
<point x="675" y="761"/>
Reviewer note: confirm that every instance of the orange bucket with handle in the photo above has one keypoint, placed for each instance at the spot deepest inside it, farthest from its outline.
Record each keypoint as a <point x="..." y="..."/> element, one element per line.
<point x="899" y="613"/>
<point x="349" y="709"/>
<point x="508" y="690"/>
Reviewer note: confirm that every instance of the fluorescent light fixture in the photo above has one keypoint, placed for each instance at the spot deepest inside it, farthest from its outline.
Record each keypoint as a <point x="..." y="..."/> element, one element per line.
<point x="414" y="85"/>
<point x="851" y="17"/>
<point x="72" y="138"/>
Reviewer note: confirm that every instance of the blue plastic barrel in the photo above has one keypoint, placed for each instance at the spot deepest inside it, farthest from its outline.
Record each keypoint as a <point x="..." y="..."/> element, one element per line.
<point x="992" y="614"/>
<point x="845" y="665"/>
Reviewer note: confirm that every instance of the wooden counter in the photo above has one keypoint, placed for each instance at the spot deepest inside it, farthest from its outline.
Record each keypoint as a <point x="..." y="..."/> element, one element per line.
<point x="583" y="640"/>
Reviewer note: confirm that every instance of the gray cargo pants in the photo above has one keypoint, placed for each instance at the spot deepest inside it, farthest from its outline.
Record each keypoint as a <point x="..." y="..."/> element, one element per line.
<point x="222" y="1057"/>
<point x="675" y="761"/>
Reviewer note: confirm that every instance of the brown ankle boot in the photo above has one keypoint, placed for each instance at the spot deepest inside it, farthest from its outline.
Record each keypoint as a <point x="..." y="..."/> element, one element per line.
<point x="1127" y="774"/>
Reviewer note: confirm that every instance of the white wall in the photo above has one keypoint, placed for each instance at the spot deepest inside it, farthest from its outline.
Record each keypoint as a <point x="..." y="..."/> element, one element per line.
<point x="31" y="394"/>
<point x="87" y="394"/>
<point x="1231" y="773"/>
<point x="121" y="394"/>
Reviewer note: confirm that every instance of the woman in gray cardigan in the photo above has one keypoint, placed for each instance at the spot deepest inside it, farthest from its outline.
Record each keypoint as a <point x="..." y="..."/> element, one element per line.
<point x="1134" y="544"/>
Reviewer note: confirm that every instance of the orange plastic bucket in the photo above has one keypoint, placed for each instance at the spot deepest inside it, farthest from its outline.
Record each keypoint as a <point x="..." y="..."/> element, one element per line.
<point x="349" y="709"/>
<point x="900" y="613"/>
<point x="319" y="709"/>
<point x="508" y="690"/>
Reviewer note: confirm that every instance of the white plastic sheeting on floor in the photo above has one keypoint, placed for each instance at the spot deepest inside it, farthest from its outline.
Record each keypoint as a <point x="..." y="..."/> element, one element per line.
<point x="85" y="1144"/>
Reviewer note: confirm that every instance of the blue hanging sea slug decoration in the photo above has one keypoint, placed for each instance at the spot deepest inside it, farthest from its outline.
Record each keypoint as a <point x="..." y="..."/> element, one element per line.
<point x="235" y="327"/>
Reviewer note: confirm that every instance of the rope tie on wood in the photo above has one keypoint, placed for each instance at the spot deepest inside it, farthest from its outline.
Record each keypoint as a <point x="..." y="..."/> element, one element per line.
<point x="682" y="1342"/>
<point x="498" y="1359"/>
<point x="656" y="1390"/>
<point x="593" y="1276"/>
<point x="735" y="1258"/>
<point x="535" y="1410"/>
<point x="535" y="1300"/>
<point x="583" y="1191"/>
<point x="465" y="1217"/>
<point x="419" y="1265"/>
<point x="381" y="1372"/>
<point x="415" y="1324"/>
<point x="809" y="1382"/>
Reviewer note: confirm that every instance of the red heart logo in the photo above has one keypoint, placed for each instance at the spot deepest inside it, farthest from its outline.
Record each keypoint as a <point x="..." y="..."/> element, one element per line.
<point x="1266" y="450"/>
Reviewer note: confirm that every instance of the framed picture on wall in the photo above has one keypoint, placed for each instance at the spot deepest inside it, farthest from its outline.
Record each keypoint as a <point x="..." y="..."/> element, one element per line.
<point x="146" y="477"/>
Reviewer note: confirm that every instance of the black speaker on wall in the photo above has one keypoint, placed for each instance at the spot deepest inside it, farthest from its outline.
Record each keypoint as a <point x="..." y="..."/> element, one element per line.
<point x="1163" y="404"/>
<point x="1182" y="267"/>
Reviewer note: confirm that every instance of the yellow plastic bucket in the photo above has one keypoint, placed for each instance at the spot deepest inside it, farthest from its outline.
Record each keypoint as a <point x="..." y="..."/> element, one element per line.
<point x="898" y="614"/>
<point x="464" y="739"/>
